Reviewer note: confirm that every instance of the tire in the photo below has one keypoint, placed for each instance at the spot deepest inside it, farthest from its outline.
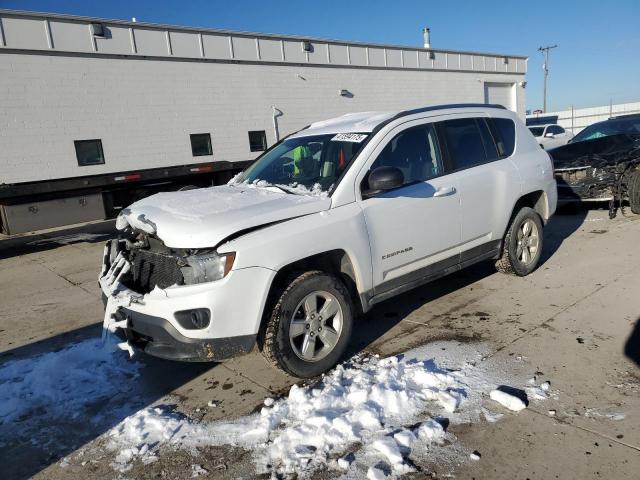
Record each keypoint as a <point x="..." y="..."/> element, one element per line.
<point x="634" y="192"/>
<point x="292" y="350"/>
<point x="513" y="260"/>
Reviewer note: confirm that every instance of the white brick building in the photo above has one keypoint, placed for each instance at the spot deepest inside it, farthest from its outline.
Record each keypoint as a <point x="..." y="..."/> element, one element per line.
<point x="144" y="89"/>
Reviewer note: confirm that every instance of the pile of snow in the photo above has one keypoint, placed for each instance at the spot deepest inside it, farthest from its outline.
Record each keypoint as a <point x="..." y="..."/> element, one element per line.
<point x="368" y="411"/>
<point x="364" y="403"/>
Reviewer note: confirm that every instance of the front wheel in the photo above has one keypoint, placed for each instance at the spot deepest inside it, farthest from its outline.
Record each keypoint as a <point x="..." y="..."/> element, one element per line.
<point x="309" y="328"/>
<point x="522" y="244"/>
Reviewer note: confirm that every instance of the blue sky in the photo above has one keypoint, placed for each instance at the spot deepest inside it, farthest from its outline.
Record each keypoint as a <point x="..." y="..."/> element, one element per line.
<point x="598" y="58"/>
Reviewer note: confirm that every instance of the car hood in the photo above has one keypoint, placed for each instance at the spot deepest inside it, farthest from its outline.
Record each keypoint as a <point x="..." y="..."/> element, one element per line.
<point x="203" y="218"/>
<point x="598" y="152"/>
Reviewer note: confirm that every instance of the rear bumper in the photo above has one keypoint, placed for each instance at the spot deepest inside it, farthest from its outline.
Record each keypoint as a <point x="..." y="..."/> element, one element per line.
<point x="158" y="337"/>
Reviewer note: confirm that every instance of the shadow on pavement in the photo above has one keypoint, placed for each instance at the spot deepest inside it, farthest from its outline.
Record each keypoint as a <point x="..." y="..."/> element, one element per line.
<point x="14" y="246"/>
<point x="632" y="347"/>
<point x="58" y="394"/>
<point x="388" y="314"/>
<point x="567" y="220"/>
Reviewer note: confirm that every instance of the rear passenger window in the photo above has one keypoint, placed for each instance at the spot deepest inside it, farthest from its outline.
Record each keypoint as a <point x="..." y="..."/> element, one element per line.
<point x="415" y="151"/>
<point x="465" y="143"/>
<point x="505" y="134"/>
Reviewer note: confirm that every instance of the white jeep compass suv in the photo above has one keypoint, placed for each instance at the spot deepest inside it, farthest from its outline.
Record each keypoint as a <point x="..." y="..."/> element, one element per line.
<point x="328" y="222"/>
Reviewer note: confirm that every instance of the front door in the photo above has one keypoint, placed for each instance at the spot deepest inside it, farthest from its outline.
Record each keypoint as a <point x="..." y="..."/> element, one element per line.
<point x="413" y="230"/>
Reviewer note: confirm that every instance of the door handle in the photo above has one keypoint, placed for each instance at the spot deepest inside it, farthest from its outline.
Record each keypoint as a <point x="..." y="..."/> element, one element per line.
<point x="444" y="192"/>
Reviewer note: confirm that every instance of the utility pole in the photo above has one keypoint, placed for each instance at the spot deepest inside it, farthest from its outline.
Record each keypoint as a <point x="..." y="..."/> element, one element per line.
<point x="545" y="52"/>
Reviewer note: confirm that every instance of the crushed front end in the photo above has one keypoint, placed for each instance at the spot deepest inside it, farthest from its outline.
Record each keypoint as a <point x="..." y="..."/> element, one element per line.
<point x="173" y="303"/>
<point x="597" y="169"/>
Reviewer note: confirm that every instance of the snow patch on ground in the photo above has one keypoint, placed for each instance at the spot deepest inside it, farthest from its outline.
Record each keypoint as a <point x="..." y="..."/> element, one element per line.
<point x="387" y="414"/>
<point x="62" y="384"/>
<point x="508" y="400"/>
<point x="378" y="411"/>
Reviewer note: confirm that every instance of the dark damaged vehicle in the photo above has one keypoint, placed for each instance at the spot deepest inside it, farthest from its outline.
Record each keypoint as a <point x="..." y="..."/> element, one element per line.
<point x="601" y="163"/>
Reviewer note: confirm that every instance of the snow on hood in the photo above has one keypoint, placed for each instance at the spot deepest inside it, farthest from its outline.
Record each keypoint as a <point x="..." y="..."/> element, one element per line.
<point x="204" y="217"/>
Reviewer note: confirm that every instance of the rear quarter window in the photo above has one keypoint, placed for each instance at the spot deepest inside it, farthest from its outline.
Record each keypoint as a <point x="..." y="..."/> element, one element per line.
<point x="505" y="133"/>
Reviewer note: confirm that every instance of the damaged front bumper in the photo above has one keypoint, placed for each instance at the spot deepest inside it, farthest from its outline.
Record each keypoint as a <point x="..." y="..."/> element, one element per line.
<point x="149" y="323"/>
<point x="584" y="184"/>
<point x="156" y="336"/>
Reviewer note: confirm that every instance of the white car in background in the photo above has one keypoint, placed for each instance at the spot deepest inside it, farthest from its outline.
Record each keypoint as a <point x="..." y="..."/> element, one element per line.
<point x="333" y="219"/>
<point x="550" y="136"/>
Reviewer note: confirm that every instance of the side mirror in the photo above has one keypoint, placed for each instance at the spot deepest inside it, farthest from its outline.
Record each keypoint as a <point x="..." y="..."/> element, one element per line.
<point x="385" y="178"/>
<point x="549" y="135"/>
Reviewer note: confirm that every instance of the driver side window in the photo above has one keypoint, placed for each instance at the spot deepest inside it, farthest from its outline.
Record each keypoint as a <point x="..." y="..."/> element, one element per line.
<point x="415" y="152"/>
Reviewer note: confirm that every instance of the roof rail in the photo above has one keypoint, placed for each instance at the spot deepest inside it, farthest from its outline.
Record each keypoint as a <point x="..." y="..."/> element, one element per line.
<point x="433" y="108"/>
<point x="448" y="106"/>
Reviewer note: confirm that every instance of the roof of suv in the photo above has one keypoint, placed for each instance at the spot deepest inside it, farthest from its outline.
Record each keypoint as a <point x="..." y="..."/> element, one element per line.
<point x="366" y="122"/>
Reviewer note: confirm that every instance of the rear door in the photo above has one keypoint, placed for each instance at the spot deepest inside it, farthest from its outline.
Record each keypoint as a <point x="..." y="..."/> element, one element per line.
<point x="487" y="178"/>
<point x="413" y="230"/>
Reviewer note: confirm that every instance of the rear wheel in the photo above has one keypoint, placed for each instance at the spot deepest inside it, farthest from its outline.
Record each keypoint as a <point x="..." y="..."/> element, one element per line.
<point x="634" y="192"/>
<point x="522" y="244"/>
<point x="308" y="330"/>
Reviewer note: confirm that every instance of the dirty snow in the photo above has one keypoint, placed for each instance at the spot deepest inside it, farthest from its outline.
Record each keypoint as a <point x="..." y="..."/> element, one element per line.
<point x="381" y="411"/>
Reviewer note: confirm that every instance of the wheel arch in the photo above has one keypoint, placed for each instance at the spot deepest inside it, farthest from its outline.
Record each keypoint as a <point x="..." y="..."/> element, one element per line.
<point x="537" y="200"/>
<point x="336" y="262"/>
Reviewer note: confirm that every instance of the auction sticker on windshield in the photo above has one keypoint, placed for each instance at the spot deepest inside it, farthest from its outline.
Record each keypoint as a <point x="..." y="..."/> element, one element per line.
<point x="349" y="137"/>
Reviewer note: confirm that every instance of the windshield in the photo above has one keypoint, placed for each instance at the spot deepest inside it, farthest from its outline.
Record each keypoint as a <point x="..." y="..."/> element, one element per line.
<point x="609" y="127"/>
<point x="536" y="131"/>
<point x="304" y="165"/>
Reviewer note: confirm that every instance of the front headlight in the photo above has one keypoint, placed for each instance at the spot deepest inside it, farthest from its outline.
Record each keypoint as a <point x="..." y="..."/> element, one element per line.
<point x="207" y="267"/>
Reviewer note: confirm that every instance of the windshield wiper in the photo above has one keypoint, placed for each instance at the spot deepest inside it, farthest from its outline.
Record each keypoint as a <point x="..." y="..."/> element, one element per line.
<point x="285" y="189"/>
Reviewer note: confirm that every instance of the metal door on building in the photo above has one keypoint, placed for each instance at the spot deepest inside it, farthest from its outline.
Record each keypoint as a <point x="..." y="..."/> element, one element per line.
<point x="501" y="94"/>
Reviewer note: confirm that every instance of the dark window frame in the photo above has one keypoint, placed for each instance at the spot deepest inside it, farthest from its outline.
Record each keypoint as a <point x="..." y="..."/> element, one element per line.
<point x="263" y="141"/>
<point x="450" y="165"/>
<point x="207" y="135"/>
<point x="497" y="136"/>
<point x="442" y="161"/>
<point x="84" y="163"/>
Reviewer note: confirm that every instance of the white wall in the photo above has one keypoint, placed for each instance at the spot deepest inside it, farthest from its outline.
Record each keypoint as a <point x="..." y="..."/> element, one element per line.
<point x="579" y="118"/>
<point x="144" y="109"/>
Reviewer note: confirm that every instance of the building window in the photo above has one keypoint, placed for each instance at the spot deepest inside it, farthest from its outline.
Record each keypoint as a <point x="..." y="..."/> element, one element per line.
<point x="257" y="141"/>
<point x="201" y="144"/>
<point x="89" y="152"/>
